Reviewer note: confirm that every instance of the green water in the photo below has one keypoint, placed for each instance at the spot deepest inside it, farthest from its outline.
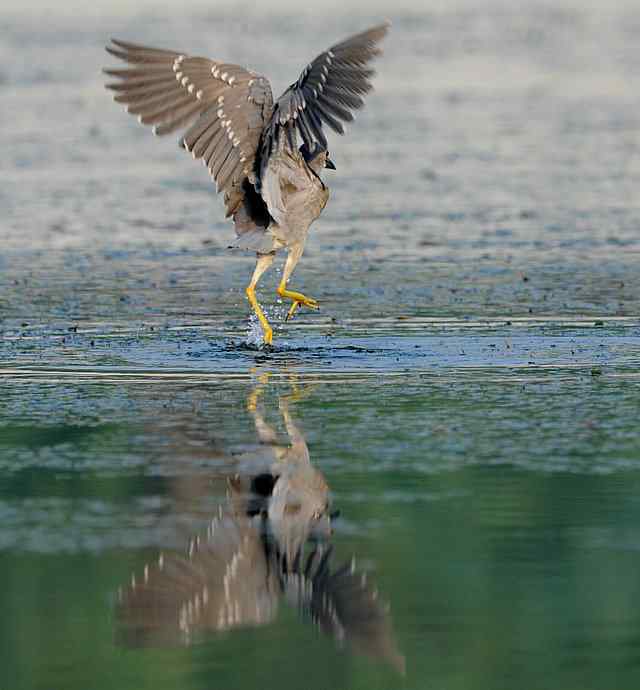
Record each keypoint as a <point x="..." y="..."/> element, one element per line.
<point x="497" y="516"/>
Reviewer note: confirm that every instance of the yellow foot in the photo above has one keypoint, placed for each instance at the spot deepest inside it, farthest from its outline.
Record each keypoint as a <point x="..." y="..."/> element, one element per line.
<point x="299" y="300"/>
<point x="267" y="332"/>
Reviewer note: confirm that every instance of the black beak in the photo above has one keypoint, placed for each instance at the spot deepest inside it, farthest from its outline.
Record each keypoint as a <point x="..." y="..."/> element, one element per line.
<point x="329" y="164"/>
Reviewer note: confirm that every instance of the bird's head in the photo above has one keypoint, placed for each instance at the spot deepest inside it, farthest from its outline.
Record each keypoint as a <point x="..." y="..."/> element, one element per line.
<point x="317" y="157"/>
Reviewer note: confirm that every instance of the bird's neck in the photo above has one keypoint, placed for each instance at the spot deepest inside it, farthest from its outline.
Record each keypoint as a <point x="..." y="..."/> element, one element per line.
<point x="315" y="168"/>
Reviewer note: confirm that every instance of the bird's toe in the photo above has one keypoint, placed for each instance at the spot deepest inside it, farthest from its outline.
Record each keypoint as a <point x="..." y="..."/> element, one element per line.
<point x="311" y="303"/>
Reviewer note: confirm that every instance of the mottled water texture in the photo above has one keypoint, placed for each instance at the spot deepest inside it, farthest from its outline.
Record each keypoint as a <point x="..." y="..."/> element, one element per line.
<point x="470" y="389"/>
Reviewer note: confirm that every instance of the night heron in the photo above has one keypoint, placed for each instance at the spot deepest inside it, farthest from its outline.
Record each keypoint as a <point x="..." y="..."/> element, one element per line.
<point x="236" y="576"/>
<point x="269" y="544"/>
<point x="249" y="143"/>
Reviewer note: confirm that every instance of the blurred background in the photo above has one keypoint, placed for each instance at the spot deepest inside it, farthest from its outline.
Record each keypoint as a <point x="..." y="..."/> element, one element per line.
<point x="473" y="373"/>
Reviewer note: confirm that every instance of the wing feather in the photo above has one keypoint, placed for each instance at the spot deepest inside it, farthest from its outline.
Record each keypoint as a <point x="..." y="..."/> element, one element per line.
<point x="345" y="604"/>
<point x="141" y="82"/>
<point x="327" y="91"/>
<point x="198" y="129"/>
<point x="208" y="155"/>
<point x="177" y="121"/>
<point x="154" y="112"/>
<point x="156" y="92"/>
<point x="223" y="106"/>
<point x="220" y="155"/>
<point x="223" y="582"/>
<point x="199" y="145"/>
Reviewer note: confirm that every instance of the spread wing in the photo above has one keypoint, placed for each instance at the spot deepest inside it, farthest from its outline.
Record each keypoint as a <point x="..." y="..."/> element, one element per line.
<point x="346" y="606"/>
<point x="327" y="92"/>
<point x="223" y="583"/>
<point x="225" y="108"/>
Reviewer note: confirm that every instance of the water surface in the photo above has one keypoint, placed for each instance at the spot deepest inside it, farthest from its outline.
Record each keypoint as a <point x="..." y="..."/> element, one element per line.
<point x="469" y="390"/>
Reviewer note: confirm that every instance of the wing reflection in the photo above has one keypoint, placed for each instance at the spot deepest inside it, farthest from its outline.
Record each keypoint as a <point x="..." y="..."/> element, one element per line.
<point x="269" y="543"/>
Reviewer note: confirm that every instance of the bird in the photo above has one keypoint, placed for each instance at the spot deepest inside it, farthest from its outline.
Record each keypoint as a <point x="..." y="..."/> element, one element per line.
<point x="237" y="573"/>
<point x="248" y="141"/>
<point x="268" y="546"/>
<point x="285" y="487"/>
<point x="299" y="502"/>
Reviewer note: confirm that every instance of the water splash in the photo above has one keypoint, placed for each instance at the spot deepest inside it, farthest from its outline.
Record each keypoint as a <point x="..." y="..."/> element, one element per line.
<point x="254" y="332"/>
<point x="275" y="314"/>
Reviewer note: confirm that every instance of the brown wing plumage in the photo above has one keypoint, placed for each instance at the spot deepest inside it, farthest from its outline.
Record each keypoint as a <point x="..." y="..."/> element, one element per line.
<point x="222" y="583"/>
<point x="225" y="108"/>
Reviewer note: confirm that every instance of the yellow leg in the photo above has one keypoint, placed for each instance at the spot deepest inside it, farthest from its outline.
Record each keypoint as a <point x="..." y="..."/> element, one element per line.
<point x="292" y="311"/>
<point x="298" y="299"/>
<point x="264" y="261"/>
<point x="267" y="331"/>
<point x="298" y="392"/>
<point x="252" y="400"/>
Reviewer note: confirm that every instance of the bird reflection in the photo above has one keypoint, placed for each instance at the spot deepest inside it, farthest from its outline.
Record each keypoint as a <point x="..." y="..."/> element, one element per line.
<point x="269" y="543"/>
